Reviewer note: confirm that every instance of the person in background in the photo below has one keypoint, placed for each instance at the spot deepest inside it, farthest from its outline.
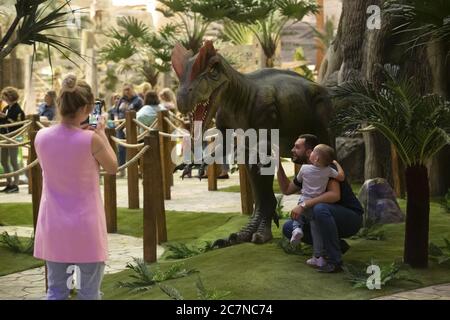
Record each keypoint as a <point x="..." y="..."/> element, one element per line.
<point x="143" y="88"/>
<point x="10" y="114"/>
<point x="148" y="113"/>
<point x="71" y="227"/>
<point x="129" y="101"/>
<point x="48" y="108"/>
<point x="168" y="100"/>
<point x="115" y="98"/>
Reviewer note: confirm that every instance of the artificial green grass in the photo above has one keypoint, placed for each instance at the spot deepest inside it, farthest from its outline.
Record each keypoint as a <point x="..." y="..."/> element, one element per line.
<point x="251" y="271"/>
<point x="11" y="262"/>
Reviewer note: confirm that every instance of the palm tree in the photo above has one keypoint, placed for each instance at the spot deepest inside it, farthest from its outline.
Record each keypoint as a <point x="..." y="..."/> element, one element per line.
<point x="268" y="28"/>
<point x="32" y="21"/>
<point x="192" y="25"/>
<point x="134" y="44"/>
<point x="417" y="126"/>
<point x="425" y="20"/>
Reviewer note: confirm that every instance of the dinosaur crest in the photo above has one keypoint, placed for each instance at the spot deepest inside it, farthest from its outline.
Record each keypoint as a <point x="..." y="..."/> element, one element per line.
<point x="206" y="52"/>
<point x="181" y="56"/>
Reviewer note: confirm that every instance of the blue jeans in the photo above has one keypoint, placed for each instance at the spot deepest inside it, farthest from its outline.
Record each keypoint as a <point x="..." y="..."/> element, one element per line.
<point x="89" y="280"/>
<point x="122" y="158"/>
<point x="333" y="222"/>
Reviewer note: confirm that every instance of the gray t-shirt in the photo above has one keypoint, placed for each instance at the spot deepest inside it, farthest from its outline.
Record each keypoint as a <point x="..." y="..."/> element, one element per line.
<point x="314" y="180"/>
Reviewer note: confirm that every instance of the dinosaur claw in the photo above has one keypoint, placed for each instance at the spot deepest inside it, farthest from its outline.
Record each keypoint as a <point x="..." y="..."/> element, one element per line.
<point x="221" y="243"/>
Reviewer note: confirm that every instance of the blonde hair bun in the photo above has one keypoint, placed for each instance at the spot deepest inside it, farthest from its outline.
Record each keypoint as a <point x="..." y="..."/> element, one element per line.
<point x="69" y="84"/>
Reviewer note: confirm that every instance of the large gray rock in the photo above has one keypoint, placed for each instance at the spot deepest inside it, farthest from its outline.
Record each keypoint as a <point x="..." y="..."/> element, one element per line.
<point x="379" y="203"/>
<point x="350" y="153"/>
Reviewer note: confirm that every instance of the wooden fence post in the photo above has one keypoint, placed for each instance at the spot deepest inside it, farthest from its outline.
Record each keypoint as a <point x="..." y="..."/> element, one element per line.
<point x="110" y="191"/>
<point x="133" y="172"/>
<point x="32" y="128"/>
<point x="212" y="177"/>
<point x="154" y="214"/>
<point x="36" y="174"/>
<point x="246" y="191"/>
<point x="166" y="160"/>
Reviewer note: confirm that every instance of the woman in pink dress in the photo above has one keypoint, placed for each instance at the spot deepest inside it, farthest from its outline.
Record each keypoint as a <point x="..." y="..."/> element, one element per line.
<point x="71" y="228"/>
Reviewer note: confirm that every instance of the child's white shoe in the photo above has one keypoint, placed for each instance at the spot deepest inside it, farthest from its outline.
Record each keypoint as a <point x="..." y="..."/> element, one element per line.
<point x="316" y="262"/>
<point x="297" y="235"/>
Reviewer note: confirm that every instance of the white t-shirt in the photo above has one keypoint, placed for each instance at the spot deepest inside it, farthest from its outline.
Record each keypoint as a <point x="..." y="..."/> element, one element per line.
<point x="314" y="180"/>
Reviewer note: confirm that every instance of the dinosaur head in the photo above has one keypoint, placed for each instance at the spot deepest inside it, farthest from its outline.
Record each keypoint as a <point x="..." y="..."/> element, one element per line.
<point x="201" y="80"/>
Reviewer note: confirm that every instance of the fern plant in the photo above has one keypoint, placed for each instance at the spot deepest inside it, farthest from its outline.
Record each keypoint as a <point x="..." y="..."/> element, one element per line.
<point x="145" y="279"/>
<point x="202" y="292"/>
<point x="182" y="251"/>
<point x="209" y="294"/>
<point x="16" y="245"/>
<point x="370" y="233"/>
<point x="279" y="209"/>
<point x="299" y="250"/>
<point x="440" y="253"/>
<point x="390" y="273"/>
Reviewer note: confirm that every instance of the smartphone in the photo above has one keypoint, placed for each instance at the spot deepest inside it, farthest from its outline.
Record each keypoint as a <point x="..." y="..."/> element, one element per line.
<point x="96" y="113"/>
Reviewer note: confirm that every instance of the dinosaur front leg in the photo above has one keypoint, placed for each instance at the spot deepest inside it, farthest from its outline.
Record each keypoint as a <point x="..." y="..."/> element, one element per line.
<point x="265" y="204"/>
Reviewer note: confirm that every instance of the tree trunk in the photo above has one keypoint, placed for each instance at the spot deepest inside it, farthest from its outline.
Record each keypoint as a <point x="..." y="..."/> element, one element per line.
<point x="417" y="216"/>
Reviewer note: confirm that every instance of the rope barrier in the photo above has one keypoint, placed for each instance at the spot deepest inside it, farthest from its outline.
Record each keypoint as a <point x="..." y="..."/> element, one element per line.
<point x="41" y="125"/>
<point x="120" y="126"/>
<point x="132" y="161"/>
<point x="12" y="174"/>
<point x="173" y="115"/>
<point x="176" y="136"/>
<point x="17" y="132"/>
<point x="172" y="125"/>
<point x="126" y="145"/>
<point x="142" y="135"/>
<point x="6" y="139"/>
<point x="15" y="124"/>
<point x="143" y="126"/>
<point x="13" y="145"/>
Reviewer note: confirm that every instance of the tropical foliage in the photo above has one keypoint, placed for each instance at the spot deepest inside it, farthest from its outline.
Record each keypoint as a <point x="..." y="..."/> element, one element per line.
<point x="15" y="244"/>
<point x="417" y="126"/>
<point x="145" y="279"/>
<point x="132" y="44"/>
<point x="422" y="19"/>
<point x="389" y="274"/>
<point x="34" y="24"/>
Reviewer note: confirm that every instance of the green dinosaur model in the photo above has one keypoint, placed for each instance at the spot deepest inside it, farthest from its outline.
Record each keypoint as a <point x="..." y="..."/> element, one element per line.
<point x="265" y="99"/>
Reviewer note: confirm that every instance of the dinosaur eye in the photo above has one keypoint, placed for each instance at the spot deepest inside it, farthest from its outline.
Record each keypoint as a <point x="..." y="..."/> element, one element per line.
<point x="213" y="73"/>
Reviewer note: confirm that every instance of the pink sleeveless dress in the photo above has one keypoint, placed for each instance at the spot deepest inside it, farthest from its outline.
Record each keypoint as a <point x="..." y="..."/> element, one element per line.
<point x="71" y="227"/>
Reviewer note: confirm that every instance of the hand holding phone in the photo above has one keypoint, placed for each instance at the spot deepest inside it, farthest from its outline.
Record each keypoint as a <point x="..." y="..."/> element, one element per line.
<point x="96" y="113"/>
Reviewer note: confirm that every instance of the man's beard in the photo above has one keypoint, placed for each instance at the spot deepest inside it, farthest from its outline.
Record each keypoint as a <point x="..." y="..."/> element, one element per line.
<point x="299" y="160"/>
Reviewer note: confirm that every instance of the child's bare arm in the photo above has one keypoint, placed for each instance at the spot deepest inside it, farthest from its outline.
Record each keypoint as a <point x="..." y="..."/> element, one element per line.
<point x="341" y="174"/>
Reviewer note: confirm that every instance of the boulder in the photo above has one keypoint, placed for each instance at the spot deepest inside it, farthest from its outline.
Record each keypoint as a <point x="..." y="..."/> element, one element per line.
<point x="380" y="203"/>
<point x="350" y="153"/>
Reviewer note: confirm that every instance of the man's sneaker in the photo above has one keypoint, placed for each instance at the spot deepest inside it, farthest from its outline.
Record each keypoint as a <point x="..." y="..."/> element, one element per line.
<point x="316" y="262"/>
<point x="6" y="188"/>
<point x="344" y="246"/>
<point x="12" y="189"/>
<point x="297" y="235"/>
<point x="330" y="268"/>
